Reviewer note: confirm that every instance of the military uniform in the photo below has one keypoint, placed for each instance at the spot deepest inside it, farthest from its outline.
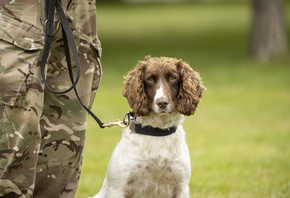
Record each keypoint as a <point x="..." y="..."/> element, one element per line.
<point x="42" y="134"/>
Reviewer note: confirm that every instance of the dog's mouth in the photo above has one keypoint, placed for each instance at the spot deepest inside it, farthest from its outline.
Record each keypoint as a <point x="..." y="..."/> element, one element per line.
<point x="166" y="110"/>
<point x="163" y="112"/>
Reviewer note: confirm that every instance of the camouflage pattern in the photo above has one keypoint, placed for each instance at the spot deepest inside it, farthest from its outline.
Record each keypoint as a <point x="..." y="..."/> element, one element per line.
<point x="42" y="134"/>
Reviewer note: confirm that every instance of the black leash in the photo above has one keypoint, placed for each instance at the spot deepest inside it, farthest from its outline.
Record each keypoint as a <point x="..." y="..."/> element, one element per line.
<point x="68" y="38"/>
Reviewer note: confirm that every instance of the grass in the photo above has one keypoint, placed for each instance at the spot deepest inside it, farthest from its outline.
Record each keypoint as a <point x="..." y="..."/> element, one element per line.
<point x="239" y="137"/>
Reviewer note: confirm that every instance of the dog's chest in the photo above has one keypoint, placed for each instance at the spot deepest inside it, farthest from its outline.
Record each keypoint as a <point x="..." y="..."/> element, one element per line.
<point x="154" y="178"/>
<point x="158" y="167"/>
<point x="154" y="171"/>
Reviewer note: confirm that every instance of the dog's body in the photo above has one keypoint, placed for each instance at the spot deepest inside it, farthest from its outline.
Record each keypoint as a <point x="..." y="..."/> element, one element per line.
<point x="146" y="166"/>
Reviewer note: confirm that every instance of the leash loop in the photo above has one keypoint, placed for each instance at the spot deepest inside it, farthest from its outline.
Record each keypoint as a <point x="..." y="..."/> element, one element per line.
<point x="69" y="43"/>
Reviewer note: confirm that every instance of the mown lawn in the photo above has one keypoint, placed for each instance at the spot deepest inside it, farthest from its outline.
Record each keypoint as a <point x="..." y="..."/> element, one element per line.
<point x="239" y="138"/>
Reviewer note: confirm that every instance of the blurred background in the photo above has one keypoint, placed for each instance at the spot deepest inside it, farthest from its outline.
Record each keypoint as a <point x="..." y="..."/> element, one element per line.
<point x="239" y="137"/>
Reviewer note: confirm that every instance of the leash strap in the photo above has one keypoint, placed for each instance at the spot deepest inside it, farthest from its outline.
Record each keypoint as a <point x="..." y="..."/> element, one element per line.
<point x="69" y="41"/>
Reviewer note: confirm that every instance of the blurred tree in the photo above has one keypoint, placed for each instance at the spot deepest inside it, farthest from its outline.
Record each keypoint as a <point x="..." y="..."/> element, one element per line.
<point x="269" y="36"/>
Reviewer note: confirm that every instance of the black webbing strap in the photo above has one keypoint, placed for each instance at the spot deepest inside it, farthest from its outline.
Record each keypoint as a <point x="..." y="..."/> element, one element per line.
<point x="69" y="41"/>
<point x="151" y="131"/>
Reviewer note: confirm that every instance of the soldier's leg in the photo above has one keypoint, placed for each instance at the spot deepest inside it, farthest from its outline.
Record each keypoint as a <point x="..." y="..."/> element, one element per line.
<point x="63" y="122"/>
<point x="57" y="143"/>
<point x="21" y="103"/>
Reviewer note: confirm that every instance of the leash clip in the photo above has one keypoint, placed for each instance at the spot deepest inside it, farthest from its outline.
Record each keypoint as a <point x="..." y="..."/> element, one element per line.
<point x="123" y="124"/>
<point x="118" y="123"/>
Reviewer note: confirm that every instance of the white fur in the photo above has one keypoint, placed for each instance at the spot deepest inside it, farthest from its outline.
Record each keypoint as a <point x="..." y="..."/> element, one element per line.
<point x="144" y="166"/>
<point x="159" y="95"/>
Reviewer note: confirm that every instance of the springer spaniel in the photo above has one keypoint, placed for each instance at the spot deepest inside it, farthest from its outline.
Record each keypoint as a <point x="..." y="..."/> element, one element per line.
<point x="152" y="159"/>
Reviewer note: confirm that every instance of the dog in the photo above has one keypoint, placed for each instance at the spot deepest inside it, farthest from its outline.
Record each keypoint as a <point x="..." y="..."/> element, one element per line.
<point x="152" y="159"/>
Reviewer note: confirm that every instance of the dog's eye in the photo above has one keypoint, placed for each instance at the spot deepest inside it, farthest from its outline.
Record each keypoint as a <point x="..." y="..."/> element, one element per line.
<point x="150" y="79"/>
<point x="172" y="78"/>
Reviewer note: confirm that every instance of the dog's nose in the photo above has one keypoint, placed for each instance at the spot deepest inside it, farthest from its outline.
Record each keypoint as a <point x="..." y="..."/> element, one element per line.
<point x="162" y="103"/>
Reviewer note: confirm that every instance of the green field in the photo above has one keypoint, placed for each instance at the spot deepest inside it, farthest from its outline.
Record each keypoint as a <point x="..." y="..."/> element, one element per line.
<point x="239" y="137"/>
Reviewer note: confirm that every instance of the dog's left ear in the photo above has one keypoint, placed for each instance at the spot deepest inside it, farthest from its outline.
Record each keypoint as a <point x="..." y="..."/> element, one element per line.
<point x="190" y="89"/>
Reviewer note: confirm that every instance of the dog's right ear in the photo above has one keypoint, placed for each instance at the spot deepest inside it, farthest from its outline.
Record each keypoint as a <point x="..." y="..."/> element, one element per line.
<point x="134" y="90"/>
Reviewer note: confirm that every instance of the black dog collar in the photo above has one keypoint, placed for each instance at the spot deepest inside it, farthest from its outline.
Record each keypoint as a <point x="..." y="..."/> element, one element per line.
<point x="148" y="130"/>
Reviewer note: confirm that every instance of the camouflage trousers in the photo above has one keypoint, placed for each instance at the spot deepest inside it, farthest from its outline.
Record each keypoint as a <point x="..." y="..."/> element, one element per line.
<point x="42" y="134"/>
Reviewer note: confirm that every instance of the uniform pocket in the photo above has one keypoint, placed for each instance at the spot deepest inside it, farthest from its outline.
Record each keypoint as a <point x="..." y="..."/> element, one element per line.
<point x="20" y="45"/>
<point x="20" y="33"/>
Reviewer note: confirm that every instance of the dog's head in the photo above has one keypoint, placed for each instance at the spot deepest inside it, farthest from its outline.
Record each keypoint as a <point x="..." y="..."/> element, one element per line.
<point x="162" y="85"/>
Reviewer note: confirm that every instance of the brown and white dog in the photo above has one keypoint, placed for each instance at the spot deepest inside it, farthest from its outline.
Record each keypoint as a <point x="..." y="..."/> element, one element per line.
<point x="152" y="159"/>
